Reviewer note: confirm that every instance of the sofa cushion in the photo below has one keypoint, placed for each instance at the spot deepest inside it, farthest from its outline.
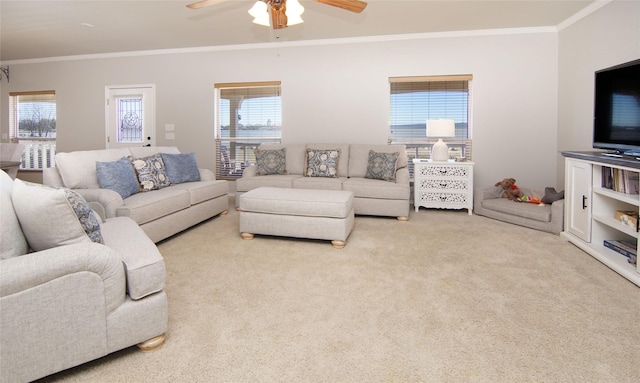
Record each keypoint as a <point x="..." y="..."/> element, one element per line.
<point x="118" y="176"/>
<point x="78" y="169"/>
<point x="382" y="166"/>
<point x="52" y="217"/>
<point x="152" y="174"/>
<point x="322" y="162"/>
<point x="359" y="157"/>
<point x="371" y="188"/>
<point x="271" y="161"/>
<point x="203" y="190"/>
<point x="12" y="241"/>
<point x="521" y="209"/>
<point x="250" y="183"/>
<point x="324" y="183"/>
<point x="146" y="207"/>
<point x="144" y="266"/>
<point x="181" y="167"/>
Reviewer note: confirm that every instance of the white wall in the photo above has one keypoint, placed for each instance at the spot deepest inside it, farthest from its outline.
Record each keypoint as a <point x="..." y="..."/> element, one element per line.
<point x="607" y="37"/>
<point x="330" y="93"/>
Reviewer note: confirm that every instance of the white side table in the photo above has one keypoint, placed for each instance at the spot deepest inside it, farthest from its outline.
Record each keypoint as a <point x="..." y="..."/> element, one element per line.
<point x="443" y="185"/>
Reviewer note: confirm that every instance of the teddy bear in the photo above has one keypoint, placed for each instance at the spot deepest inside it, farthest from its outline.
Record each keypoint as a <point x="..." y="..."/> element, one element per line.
<point x="507" y="189"/>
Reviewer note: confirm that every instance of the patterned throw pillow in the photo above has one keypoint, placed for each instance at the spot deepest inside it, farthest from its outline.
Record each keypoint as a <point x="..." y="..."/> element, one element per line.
<point x="86" y="216"/>
<point x="322" y="163"/>
<point x="271" y="161"/>
<point x="53" y="217"/>
<point x="382" y="166"/>
<point x="152" y="174"/>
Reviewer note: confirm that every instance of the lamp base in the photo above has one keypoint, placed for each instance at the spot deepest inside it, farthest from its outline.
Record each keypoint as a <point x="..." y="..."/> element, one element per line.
<point x="440" y="151"/>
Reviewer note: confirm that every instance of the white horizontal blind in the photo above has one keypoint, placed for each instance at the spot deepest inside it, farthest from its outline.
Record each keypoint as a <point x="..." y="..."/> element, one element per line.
<point x="414" y="100"/>
<point x="246" y="115"/>
<point x="32" y="122"/>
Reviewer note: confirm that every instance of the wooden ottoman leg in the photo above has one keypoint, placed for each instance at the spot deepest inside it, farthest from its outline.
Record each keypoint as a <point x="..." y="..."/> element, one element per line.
<point x="246" y="235"/>
<point x="338" y="244"/>
<point x="151" y="344"/>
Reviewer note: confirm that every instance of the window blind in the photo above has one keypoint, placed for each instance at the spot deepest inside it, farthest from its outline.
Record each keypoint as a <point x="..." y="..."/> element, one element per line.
<point x="246" y="115"/>
<point x="414" y="100"/>
<point x="32" y="122"/>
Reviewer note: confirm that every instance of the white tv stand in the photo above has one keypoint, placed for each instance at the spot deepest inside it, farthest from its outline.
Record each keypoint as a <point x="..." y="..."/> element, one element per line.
<point x="589" y="209"/>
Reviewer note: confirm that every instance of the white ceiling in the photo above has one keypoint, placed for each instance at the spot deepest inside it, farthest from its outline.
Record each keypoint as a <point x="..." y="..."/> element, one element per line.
<point x="32" y="29"/>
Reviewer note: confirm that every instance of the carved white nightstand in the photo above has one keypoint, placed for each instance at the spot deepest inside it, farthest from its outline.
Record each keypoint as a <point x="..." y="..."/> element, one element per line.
<point x="443" y="185"/>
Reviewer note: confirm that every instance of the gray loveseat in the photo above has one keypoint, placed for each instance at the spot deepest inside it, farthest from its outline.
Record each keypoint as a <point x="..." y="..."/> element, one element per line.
<point x="549" y="218"/>
<point x="160" y="213"/>
<point x="371" y="196"/>
<point x="64" y="299"/>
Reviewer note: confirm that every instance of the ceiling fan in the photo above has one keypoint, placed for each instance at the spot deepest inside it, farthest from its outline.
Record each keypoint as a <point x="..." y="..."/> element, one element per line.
<point x="275" y="13"/>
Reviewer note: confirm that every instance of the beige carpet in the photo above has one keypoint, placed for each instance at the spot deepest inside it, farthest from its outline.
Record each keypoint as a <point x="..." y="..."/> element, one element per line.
<point x="444" y="297"/>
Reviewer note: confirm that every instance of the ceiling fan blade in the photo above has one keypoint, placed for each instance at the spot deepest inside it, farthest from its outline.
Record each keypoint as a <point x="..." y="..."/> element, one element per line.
<point x="356" y="6"/>
<point x="203" y="3"/>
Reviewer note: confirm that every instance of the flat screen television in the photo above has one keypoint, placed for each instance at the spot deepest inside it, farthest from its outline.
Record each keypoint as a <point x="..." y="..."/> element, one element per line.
<point x="616" y="122"/>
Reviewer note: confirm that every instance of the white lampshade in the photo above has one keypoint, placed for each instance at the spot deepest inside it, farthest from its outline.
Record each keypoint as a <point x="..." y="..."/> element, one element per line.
<point x="440" y="128"/>
<point x="294" y="9"/>
<point x="260" y="13"/>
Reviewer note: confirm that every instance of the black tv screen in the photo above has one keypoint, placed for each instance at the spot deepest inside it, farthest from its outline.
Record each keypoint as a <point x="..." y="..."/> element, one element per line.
<point x="616" y="123"/>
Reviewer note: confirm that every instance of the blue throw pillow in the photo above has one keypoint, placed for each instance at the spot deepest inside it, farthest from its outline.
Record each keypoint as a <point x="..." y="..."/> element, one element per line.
<point x="181" y="167"/>
<point x="118" y="176"/>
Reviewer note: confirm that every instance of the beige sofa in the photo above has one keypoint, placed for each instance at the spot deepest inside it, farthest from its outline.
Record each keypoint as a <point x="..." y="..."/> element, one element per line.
<point x="160" y="213"/>
<point x="371" y="196"/>
<point x="64" y="299"/>
<point x="549" y="218"/>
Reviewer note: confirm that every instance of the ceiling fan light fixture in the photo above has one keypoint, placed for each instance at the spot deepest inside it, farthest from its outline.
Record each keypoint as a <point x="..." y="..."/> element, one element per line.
<point x="260" y="13"/>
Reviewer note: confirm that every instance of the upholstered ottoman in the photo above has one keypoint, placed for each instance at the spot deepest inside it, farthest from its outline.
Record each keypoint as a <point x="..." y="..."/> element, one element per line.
<point x="300" y="213"/>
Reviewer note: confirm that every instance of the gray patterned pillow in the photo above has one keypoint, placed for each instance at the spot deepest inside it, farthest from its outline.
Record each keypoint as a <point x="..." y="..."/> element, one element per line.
<point x="382" y="166"/>
<point x="152" y="174"/>
<point x="271" y="161"/>
<point x="322" y="163"/>
<point x="86" y="216"/>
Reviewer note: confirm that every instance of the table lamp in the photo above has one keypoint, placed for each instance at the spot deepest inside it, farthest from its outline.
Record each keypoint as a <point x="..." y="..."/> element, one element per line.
<point x="440" y="128"/>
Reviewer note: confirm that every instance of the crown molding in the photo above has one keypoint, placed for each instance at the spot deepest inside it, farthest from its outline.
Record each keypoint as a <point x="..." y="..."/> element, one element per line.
<point x="584" y="12"/>
<point x="287" y="44"/>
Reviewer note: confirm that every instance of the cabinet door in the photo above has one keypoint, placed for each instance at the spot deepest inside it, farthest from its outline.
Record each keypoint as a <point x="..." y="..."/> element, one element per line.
<point x="578" y="203"/>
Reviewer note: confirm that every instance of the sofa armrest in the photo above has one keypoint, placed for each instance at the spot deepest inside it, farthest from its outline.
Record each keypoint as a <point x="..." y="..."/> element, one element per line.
<point x="26" y="272"/>
<point x="402" y="176"/>
<point x="250" y="171"/>
<point x="51" y="177"/>
<point x="109" y="199"/>
<point x="207" y="175"/>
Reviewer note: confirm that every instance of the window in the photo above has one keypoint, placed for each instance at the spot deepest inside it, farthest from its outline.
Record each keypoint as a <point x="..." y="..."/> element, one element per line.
<point x="414" y="100"/>
<point x="247" y="115"/>
<point x="32" y="122"/>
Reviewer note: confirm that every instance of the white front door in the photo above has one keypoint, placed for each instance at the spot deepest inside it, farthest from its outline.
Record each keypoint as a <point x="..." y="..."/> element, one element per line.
<point x="130" y="115"/>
